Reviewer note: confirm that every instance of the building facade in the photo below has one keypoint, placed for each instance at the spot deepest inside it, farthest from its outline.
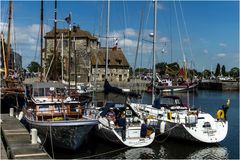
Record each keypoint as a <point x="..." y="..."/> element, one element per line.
<point x="82" y="58"/>
<point x="118" y="66"/>
<point x="82" y="42"/>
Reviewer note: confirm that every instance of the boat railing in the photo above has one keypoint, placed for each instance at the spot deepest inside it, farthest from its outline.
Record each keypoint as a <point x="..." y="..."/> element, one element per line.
<point x="53" y="113"/>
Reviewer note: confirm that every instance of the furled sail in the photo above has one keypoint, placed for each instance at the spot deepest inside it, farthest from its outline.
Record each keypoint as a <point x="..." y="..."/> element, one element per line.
<point x="110" y="89"/>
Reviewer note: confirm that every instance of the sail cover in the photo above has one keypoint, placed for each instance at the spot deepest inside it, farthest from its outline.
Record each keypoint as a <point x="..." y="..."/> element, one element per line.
<point x="109" y="89"/>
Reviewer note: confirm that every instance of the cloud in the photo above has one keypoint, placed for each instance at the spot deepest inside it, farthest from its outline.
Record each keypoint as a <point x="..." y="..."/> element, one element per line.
<point x="164" y="39"/>
<point x="128" y="43"/>
<point x="221" y="55"/>
<point x="223" y="45"/>
<point x="203" y="40"/>
<point x="205" y="51"/>
<point x="160" y="6"/>
<point x="26" y="39"/>
<point x="130" y="32"/>
<point x="186" y="40"/>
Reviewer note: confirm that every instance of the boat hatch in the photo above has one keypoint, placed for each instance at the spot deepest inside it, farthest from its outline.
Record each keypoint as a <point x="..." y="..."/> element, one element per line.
<point x="206" y="125"/>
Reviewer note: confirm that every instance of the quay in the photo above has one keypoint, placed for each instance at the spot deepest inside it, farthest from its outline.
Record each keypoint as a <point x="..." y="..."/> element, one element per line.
<point x="16" y="142"/>
<point x="219" y="85"/>
<point x="140" y="85"/>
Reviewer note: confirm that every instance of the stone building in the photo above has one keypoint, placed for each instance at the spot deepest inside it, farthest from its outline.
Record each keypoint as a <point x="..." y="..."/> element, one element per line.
<point x="118" y="67"/>
<point x="15" y="59"/>
<point x="82" y="45"/>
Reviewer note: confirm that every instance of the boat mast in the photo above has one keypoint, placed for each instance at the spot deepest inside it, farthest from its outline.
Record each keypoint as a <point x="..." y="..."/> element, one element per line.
<point x="8" y="40"/>
<point x="62" y="58"/>
<point x="75" y="63"/>
<point x="106" y="61"/>
<point x="69" y="50"/>
<point x="55" y="41"/>
<point x="154" y="50"/>
<point x="41" y="42"/>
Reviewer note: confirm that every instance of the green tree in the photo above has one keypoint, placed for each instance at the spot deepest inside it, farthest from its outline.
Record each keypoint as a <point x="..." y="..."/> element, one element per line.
<point x="234" y="72"/>
<point x="218" y="71"/>
<point x="33" y="67"/>
<point x="130" y="71"/>
<point x="224" y="73"/>
<point x="161" y="68"/>
<point x="206" y="73"/>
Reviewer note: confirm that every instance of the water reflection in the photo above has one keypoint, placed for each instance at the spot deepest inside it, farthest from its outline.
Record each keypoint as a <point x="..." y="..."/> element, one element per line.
<point x="179" y="149"/>
<point x="210" y="153"/>
<point x="137" y="153"/>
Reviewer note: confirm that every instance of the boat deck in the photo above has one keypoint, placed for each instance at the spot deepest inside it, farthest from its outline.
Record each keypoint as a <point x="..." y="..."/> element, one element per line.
<point x="17" y="140"/>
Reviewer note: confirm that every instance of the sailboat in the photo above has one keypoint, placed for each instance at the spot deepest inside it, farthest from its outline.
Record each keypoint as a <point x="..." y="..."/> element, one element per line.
<point x="118" y="123"/>
<point x="61" y="120"/>
<point x="12" y="90"/>
<point x="170" y="117"/>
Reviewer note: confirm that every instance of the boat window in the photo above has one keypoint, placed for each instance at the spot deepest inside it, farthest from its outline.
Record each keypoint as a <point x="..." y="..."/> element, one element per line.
<point x="47" y="93"/>
<point x="206" y="125"/>
<point x="73" y="107"/>
<point x="39" y="92"/>
<point x="128" y="113"/>
<point x="167" y="101"/>
<point x="177" y="101"/>
<point x="43" y="108"/>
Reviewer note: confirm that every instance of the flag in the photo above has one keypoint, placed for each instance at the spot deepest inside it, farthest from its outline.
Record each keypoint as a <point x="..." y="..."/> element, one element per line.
<point x="68" y="19"/>
<point x="181" y="72"/>
<point x="116" y="44"/>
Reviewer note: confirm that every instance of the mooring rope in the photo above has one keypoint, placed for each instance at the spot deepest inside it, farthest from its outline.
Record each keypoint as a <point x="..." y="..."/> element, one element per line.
<point x="169" y="132"/>
<point x="100" y="154"/>
<point x="51" y="142"/>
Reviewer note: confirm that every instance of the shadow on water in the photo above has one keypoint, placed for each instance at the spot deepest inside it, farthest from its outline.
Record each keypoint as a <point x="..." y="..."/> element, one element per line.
<point x="96" y="148"/>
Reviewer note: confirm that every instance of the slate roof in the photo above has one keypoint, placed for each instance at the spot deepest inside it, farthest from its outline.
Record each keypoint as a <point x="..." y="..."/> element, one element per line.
<point x="116" y="57"/>
<point x="76" y="32"/>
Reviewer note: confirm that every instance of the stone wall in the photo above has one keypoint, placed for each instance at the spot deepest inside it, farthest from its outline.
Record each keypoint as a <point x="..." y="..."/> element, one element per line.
<point x="80" y="57"/>
<point x="114" y="74"/>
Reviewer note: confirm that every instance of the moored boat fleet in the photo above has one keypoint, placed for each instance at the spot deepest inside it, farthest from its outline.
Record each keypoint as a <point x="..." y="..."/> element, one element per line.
<point x="65" y="121"/>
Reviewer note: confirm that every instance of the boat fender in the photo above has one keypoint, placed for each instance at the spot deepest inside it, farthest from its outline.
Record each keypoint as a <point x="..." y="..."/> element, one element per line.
<point x="220" y="114"/>
<point x="99" y="126"/>
<point x="162" y="127"/>
<point x="20" y="116"/>
<point x="169" y="115"/>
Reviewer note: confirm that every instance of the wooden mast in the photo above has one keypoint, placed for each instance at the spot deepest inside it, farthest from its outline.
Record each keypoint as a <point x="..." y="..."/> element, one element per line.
<point x="41" y="42"/>
<point x="8" y="40"/>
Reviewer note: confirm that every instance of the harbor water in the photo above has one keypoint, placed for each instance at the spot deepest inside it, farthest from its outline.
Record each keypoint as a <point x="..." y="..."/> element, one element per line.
<point x="165" y="147"/>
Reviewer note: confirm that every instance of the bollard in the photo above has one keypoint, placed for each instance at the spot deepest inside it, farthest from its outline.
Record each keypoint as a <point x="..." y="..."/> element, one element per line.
<point x="34" y="136"/>
<point x="11" y="112"/>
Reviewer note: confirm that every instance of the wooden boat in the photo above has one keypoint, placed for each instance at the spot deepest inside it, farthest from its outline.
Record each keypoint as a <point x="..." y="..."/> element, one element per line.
<point x="173" y="119"/>
<point x="12" y="90"/>
<point x="168" y="87"/>
<point x="12" y="95"/>
<point x="58" y="118"/>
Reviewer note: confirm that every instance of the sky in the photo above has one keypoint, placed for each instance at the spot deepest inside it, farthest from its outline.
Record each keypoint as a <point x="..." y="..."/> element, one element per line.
<point x="204" y="32"/>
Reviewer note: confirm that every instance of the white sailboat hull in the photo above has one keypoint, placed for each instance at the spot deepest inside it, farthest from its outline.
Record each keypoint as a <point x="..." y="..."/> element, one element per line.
<point x="203" y="128"/>
<point x="115" y="135"/>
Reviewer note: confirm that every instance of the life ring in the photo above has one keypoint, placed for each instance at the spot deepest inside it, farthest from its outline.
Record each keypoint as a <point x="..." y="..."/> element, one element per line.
<point x="220" y="114"/>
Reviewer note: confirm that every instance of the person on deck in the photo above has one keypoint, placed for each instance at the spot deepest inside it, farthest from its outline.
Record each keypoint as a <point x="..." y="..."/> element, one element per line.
<point x="111" y="116"/>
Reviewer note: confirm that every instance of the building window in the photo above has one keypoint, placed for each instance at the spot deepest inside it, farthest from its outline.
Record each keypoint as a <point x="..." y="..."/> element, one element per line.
<point x="119" y="61"/>
<point x="120" y="77"/>
<point x="65" y="43"/>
